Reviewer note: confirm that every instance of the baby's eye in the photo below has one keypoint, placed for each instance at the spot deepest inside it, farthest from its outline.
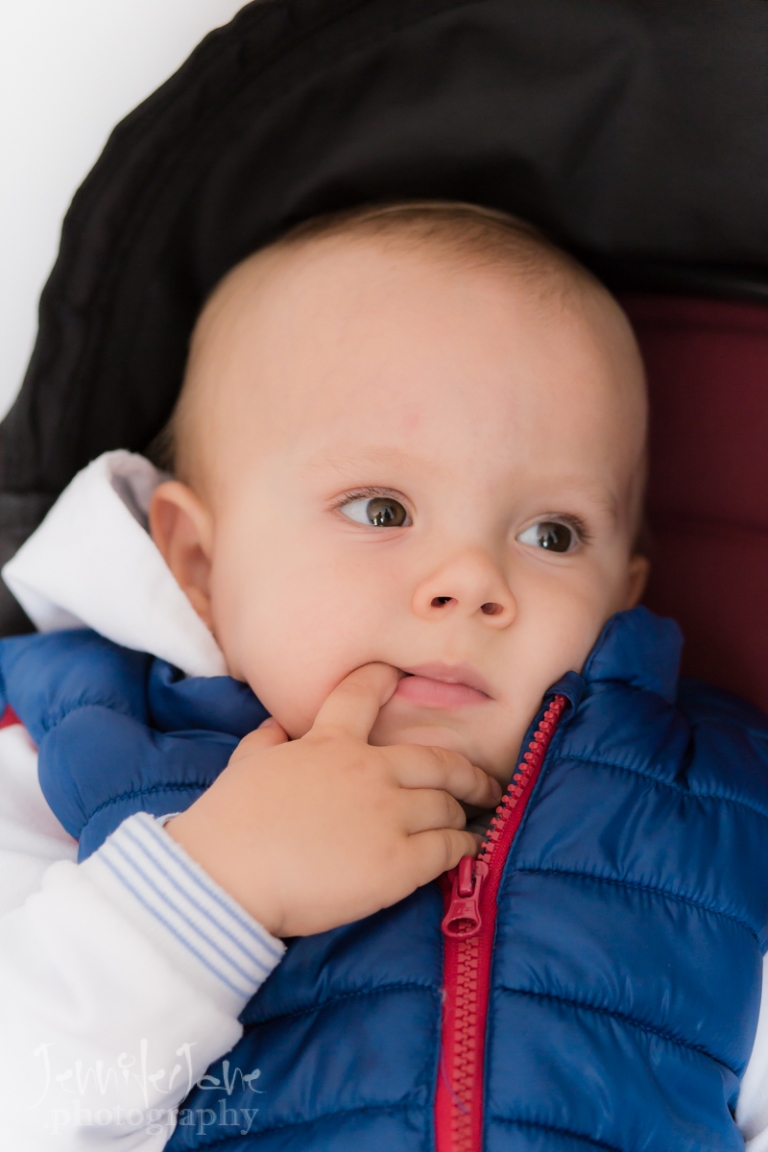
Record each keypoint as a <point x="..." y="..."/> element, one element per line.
<point x="379" y="511"/>
<point x="550" y="534"/>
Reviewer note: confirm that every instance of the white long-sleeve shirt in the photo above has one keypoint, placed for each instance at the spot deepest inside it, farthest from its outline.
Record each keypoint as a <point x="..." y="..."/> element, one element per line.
<point x="122" y="978"/>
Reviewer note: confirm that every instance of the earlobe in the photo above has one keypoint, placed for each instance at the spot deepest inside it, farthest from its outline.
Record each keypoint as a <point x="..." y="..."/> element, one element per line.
<point x="182" y="529"/>
<point x="639" y="569"/>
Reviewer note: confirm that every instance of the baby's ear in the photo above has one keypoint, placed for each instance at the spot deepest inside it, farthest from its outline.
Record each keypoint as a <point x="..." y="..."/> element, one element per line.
<point x="637" y="578"/>
<point x="182" y="529"/>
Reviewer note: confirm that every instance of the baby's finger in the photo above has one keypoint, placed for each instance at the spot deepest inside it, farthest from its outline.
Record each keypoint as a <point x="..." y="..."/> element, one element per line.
<point x="267" y="735"/>
<point x="354" y="704"/>
<point x="433" y="853"/>
<point x="419" y="766"/>
<point x="424" y="809"/>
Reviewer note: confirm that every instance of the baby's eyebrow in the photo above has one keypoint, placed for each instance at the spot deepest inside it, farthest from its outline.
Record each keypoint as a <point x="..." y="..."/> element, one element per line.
<point x="604" y="500"/>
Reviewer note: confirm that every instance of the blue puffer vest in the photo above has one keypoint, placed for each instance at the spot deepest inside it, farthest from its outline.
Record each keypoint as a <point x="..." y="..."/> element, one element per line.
<point x="632" y="913"/>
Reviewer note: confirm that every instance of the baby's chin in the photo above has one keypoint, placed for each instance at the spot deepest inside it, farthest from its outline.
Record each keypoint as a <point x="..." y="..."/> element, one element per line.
<point x="435" y="735"/>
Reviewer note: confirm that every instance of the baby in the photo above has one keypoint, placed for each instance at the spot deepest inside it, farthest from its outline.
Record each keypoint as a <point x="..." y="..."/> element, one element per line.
<point x="411" y="446"/>
<point x="409" y="458"/>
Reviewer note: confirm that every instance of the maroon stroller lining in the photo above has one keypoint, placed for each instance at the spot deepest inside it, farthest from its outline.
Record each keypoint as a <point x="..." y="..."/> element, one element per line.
<point x="707" y="364"/>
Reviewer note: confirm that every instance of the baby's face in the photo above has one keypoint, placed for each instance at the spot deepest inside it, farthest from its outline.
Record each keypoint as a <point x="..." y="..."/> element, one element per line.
<point x="422" y="464"/>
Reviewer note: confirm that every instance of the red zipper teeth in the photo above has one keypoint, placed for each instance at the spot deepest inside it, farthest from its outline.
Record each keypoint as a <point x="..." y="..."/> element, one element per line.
<point x="527" y="769"/>
<point x="469" y="924"/>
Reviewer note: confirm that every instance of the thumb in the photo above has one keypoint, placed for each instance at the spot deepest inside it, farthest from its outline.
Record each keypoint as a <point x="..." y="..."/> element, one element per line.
<point x="354" y="704"/>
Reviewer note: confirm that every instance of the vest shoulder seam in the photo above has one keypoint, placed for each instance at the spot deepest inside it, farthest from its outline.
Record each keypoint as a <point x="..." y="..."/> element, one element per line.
<point x="152" y="790"/>
<point x="541" y="1126"/>
<point x="53" y="717"/>
<point x="392" y="986"/>
<point x="735" y="800"/>
<point x="651" y="889"/>
<point x="624" y="1018"/>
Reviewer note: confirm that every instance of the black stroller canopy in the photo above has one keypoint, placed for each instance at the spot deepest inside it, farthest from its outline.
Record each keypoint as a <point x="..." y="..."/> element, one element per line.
<point x="634" y="131"/>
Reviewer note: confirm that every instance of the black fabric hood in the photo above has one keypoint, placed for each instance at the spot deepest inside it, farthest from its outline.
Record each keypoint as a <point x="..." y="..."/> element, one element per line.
<point x="634" y="131"/>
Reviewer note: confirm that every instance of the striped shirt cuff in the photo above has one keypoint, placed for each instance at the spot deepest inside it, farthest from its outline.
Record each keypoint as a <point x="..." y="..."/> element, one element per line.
<point x="154" y="880"/>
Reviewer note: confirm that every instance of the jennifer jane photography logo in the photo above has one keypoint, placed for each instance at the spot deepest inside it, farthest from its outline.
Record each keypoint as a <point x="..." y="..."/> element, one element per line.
<point x="92" y="1090"/>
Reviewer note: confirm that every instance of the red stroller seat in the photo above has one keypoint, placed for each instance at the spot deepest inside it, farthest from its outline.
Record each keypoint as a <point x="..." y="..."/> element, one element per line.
<point x="707" y="364"/>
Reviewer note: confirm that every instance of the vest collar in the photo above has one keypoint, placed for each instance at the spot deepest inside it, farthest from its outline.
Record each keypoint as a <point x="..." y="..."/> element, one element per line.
<point x="637" y="648"/>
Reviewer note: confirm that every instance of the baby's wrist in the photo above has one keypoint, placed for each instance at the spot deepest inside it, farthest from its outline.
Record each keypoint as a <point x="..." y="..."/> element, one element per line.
<point x="236" y="879"/>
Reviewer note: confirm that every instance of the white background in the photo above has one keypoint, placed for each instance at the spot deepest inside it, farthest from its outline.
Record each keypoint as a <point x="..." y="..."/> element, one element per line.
<point x="69" y="70"/>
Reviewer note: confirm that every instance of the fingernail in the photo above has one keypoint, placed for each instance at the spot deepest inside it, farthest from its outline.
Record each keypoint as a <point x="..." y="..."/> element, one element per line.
<point x="497" y="789"/>
<point x="270" y="722"/>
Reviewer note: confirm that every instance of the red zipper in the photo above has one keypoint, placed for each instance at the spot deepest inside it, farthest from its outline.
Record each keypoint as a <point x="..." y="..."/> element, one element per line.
<point x="469" y="925"/>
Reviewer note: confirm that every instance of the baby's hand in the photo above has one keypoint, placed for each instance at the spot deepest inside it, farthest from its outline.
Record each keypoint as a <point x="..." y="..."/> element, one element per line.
<point x="313" y="833"/>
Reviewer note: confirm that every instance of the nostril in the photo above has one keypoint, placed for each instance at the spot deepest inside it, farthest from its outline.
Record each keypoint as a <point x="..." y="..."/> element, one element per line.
<point x="491" y="609"/>
<point x="441" y="601"/>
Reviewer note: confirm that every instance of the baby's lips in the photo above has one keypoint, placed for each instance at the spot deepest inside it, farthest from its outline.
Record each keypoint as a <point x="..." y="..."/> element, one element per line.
<point x="462" y="673"/>
<point x="439" y="693"/>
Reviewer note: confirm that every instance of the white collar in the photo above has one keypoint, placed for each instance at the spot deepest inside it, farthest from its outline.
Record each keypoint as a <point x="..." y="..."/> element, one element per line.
<point x="92" y="563"/>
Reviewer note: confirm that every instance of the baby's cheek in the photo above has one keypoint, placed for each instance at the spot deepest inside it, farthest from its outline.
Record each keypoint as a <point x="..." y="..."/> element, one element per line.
<point x="568" y="630"/>
<point x="278" y="660"/>
<point x="293" y="684"/>
<point x="293" y="702"/>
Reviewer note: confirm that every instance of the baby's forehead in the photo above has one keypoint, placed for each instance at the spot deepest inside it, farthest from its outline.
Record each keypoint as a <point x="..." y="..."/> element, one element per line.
<point x="545" y="273"/>
<point x="401" y="331"/>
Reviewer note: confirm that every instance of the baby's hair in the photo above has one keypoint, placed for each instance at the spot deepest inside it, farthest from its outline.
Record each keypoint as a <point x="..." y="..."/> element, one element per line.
<point x="470" y="232"/>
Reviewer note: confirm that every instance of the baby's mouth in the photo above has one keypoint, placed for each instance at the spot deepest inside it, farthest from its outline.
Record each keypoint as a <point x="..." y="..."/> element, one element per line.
<point x="442" y="686"/>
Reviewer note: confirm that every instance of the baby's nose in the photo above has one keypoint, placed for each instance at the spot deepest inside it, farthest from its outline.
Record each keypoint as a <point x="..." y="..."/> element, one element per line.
<point x="471" y="584"/>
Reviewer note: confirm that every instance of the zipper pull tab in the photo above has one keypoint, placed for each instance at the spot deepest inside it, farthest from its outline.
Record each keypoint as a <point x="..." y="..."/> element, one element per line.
<point x="463" y="917"/>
